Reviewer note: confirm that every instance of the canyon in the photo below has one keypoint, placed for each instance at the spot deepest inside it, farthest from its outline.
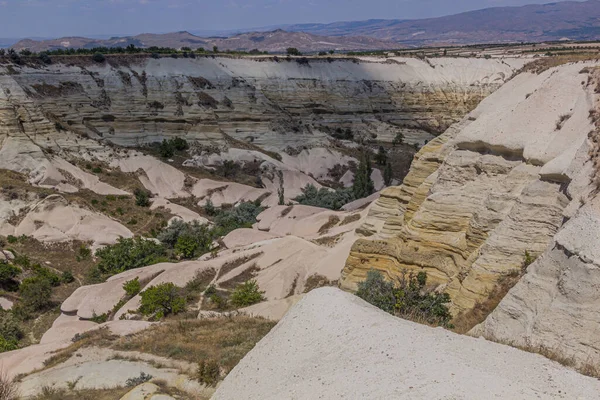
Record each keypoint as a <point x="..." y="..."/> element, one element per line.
<point x="494" y="197"/>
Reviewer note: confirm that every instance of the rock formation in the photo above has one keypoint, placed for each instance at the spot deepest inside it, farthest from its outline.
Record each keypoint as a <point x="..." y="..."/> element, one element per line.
<point x="482" y="201"/>
<point x="334" y="345"/>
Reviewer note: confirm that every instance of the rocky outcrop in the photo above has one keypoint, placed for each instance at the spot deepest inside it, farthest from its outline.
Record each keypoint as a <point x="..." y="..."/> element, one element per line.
<point x="489" y="194"/>
<point x="334" y="345"/>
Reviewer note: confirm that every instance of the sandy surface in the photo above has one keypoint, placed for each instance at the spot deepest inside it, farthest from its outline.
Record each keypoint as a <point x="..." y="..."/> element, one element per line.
<point x="333" y="345"/>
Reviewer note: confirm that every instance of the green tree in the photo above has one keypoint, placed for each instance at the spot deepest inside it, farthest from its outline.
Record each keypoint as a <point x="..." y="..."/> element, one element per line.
<point x="381" y="157"/>
<point x="388" y="174"/>
<point x="166" y="149"/>
<point x="246" y="294"/>
<point x="8" y="273"/>
<point x="363" y="185"/>
<point x="142" y="197"/>
<point x="132" y="287"/>
<point x="292" y="51"/>
<point x="128" y="254"/>
<point x="398" y="139"/>
<point x="281" y="189"/>
<point x="186" y="246"/>
<point x="35" y="293"/>
<point x="215" y="49"/>
<point x="161" y="300"/>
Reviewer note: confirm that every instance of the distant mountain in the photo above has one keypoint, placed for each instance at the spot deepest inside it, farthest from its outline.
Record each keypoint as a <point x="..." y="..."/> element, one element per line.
<point x="533" y="23"/>
<point x="274" y="41"/>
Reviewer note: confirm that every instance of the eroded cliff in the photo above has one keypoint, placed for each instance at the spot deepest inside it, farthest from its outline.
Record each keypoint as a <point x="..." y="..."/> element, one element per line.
<point x="491" y="194"/>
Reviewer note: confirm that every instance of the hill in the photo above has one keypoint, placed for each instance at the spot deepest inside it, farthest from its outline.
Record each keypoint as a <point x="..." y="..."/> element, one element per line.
<point x="275" y="42"/>
<point x="531" y="23"/>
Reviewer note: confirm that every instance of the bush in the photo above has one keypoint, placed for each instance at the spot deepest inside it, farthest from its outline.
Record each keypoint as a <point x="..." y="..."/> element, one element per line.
<point x="161" y="300"/>
<point x="67" y="277"/>
<point x="186" y="246"/>
<point x="9" y="327"/>
<point x="381" y="157"/>
<point x="132" y="287"/>
<point x="9" y="388"/>
<point x="407" y="298"/>
<point x="166" y="149"/>
<point x="188" y="239"/>
<point x="324" y="197"/>
<point x="45" y="273"/>
<point x="242" y="216"/>
<point x="246" y="294"/>
<point x="292" y="51"/>
<point x="398" y="139"/>
<point x="99" y="58"/>
<point x="180" y="144"/>
<point x="8" y="272"/>
<point x="377" y="291"/>
<point x="8" y="345"/>
<point x="142" y="198"/>
<point x="35" y="293"/>
<point x="128" y="254"/>
<point x="143" y="378"/>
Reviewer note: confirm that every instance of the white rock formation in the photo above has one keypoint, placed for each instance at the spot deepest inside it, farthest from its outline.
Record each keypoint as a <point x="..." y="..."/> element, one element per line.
<point x="333" y="345"/>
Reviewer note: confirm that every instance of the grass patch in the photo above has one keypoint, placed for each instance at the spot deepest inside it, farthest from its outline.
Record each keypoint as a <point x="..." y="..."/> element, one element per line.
<point x="238" y="262"/>
<point x="333" y="221"/>
<point x="316" y="281"/>
<point x="227" y="340"/>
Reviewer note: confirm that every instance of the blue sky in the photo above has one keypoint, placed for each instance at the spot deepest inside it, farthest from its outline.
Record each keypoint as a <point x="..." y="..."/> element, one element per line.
<point x="53" y="18"/>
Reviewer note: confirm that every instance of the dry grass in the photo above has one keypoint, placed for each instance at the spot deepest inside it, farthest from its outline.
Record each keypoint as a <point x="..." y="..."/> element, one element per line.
<point x="328" y="241"/>
<point x="227" y="340"/>
<point x="316" y="281"/>
<point x="245" y="276"/>
<point x="562" y="120"/>
<point x="543" y="64"/>
<point x="238" y="262"/>
<point x="333" y="221"/>
<point x="350" y="219"/>
<point x="588" y="368"/>
<point x="49" y="393"/>
<point x="8" y="387"/>
<point x="465" y="321"/>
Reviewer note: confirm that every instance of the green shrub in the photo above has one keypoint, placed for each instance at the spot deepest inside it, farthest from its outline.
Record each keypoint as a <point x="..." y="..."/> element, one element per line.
<point x="180" y="144"/>
<point x="166" y="149"/>
<point x="35" y="293"/>
<point x="242" y="216"/>
<point x="398" y="139"/>
<point x="84" y="253"/>
<point x="12" y="239"/>
<point x="99" y="319"/>
<point x="128" y="254"/>
<point x="132" y="287"/>
<point x="209" y="208"/>
<point x="8" y="272"/>
<point x="377" y="291"/>
<point x="188" y="239"/>
<point x="97" y="170"/>
<point x="9" y="327"/>
<point x="161" y="300"/>
<point x="142" y="198"/>
<point x="7" y="344"/>
<point x="186" y="246"/>
<point x="408" y="298"/>
<point x="132" y="382"/>
<point x="246" y="294"/>
<point x="98" y="57"/>
<point x="67" y="277"/>
<point x="47" y="274"/>
<point x="324" y="197"/>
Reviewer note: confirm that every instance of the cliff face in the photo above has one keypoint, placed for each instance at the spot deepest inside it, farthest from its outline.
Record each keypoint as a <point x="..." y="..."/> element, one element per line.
<point x="490" y="194"/>
<point x="271" y="103"/>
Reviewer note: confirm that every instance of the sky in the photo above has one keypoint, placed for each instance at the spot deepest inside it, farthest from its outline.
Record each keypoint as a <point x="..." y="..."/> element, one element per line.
<point x="56" y="18"/>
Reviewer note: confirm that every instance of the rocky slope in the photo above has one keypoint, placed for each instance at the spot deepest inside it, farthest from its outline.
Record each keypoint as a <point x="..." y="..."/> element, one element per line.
<point x="509" y="183"/>
<point x="334" y="345"/>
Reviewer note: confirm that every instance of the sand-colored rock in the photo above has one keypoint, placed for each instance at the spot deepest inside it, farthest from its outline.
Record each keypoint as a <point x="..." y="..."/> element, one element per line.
<point x="53" y="219"/>
<point x="483" y="194"/>
<point x="334" y="345"/>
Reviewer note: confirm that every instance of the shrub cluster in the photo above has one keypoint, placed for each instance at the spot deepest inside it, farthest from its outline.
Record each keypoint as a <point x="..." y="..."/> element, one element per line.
<point x="408" y="298"/>
<point x="188" y="240"/>
<point x="128" y="254"/>
<point x="168" y="147"/>
<point x="246" y="294"/>
<point x="325" y="197"/>
<point x="161" y="300"/>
